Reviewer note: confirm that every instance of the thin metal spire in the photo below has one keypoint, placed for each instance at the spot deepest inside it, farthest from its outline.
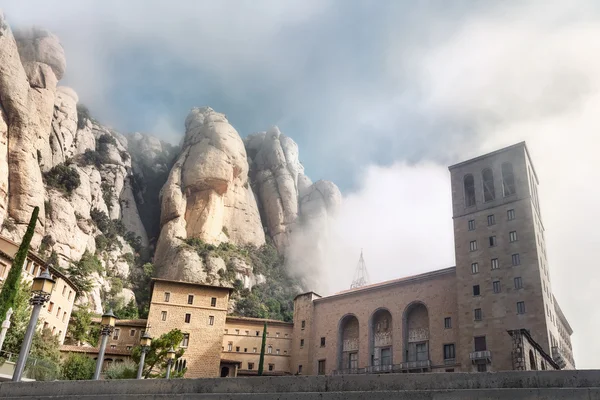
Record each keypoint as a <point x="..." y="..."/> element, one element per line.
<point x="361" y="276"/>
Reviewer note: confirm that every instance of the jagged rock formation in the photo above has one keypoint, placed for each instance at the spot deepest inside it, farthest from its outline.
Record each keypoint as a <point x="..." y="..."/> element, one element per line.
<point x="220" y="197"/>
<point x="207" y="196"/>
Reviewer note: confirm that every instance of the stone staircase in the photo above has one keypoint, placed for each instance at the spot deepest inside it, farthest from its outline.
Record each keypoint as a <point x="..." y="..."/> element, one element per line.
<point x="572" y="385"/>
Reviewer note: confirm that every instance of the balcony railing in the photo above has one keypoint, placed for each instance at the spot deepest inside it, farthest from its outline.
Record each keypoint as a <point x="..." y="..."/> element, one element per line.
<point x="484" y="355"/>
<point x="559" y="357"/>
<point x="381" y="369"/>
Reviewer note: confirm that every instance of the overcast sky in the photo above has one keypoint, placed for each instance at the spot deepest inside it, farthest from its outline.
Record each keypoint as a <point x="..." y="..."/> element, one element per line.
<point x="381" y="96"/>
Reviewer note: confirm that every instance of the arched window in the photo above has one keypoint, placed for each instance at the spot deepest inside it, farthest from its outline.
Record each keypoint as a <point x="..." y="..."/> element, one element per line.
<point x="489" y="193"/>
<point x="270" y="349"/>
<point x="469" y="190"/>
<point x="508" y="179"/>
<point x="532" y="360"/>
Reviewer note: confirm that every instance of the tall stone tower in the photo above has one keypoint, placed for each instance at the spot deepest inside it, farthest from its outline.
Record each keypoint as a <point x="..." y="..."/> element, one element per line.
<point x="502" y="273"/>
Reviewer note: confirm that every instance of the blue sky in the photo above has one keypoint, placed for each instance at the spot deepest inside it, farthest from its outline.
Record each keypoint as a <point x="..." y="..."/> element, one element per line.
<point x="381" y="96"/>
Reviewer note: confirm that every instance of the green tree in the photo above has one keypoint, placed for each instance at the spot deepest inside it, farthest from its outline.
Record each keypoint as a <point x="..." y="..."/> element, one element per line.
<point x="156" y="358"/>
<point x="261" y="361"/>
<point x="11" y="285"/>
<point x="43" y="363"/>
<point x="77" y="367"/>
<point x="19" y="319"/>
<point x="81" y="329"/>
<point x="130" y="311"/>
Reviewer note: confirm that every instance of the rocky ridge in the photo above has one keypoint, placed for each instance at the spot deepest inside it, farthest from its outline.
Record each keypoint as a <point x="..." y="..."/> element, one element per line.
<point x="205" y="211"/>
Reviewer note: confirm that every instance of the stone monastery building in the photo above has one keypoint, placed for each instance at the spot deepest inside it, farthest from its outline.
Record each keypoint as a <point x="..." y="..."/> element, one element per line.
<point x="493" y="311"/>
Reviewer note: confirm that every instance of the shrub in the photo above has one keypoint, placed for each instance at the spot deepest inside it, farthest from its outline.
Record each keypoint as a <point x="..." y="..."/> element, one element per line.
<point x="78" y="367"/>
<point x="107" y="194"/>
<point x="9" y="224"/>
<point x="122" y="370"/>
<point x="124" y="155"/>
<point x="63" y="178"/>
<point x="92" y="157"/>
<point x="83" y="115"/>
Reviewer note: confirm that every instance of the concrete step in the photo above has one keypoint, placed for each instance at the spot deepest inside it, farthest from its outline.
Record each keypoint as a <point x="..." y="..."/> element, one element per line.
<point x="461" y="394"/>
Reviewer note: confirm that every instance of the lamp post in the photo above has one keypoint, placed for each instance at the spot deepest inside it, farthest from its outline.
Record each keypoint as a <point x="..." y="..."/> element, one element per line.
<point x="170" y="358"/>
<point x="41" y="289"/>
<point x="145" y="341"/>
<point x="107" y="325"/>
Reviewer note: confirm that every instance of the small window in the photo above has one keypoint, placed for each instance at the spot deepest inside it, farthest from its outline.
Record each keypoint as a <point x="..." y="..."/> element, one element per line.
<point x="58" y="311"/>
<point x="477" y="313"/>
<point x="496" y="286"/>
<point x="322" y="342"/>
<point x="163" y="315"/>
<point x="474" y="268"/>
<point x="64" y="317"/>
<point x="449" y="369"/>
<point x="510" y="215"/>
<point x="449" y="352"/>
<point x="186" y="340"/>
<point x="516" y="260"/>
<point x="520" y="307"/>
<point x="213" y="302"/>
<point x="245" y="350"/>
<point x="128" y="347"/>
<point x="492" y="240"/>
<point x="211" y="320"/>
<point x="64" y="290"/>
<point x="257" y="333"/>
<point x="167" y="297"/>
<point x="277" y="351"/>
<point x="321" y="367"/>
<point x="271" y="367"/>
<point x="276" y="334"/>
<point x="270" y="349"/>
<point x="471" y="224"/>
<point x="132" y="332"/>
<point x="45" y="325"/>
<point x="476" y="290"/>
<point x="230" y="347"/>
<point x="250" y="365"/>
<point x="473" y="245"/>
<point x="237" y="331"/>
<point x="518" y="283"/>
<point x="116" y="333"/>
<point x="237" y="348"/>
<point x="254" y="350"/>
<point x="190" y="299"/>
<point x="300" y="368"/>
<point x="495" y="264"/>
<point x="512" y="236"/>
<point x="447" y="322"/>
<point x="50" y="306"/>
<point x="113" y="346"/>
<point x="491" y="220"/>
<point x="481" y="367"/>
<point x="247" y="333"/>
<point x="301" y="343"/>
<point x="70" y="293"/>
<point x="188" y="318"/>
<point x="303" y="324"/>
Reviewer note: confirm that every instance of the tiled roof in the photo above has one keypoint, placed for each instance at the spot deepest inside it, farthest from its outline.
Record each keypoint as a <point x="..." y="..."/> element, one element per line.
<point x="92" y="350"/>
<point x="126" y="322"/>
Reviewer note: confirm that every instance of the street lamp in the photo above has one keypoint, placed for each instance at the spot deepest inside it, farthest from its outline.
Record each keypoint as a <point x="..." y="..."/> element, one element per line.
<point x="41" y="289"/>
<point x="107" y="325"/>
<point x="170" y="358"/>
<point x="145" y="342"/>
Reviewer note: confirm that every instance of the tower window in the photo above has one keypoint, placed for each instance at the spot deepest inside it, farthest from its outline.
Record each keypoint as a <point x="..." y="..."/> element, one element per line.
<point x="520" y="307"/>
<point x="190" y="299"/>
<point x="510" y="215"/>
<point x="449" y="351"/>
<point x="473" y="245"/>
<point x="163" y="315"/>
<point x="477" y="314"/>
<point x="303" y="324"/>
<point x="471" y="224"/>
<point x="188" y="318"/>
<point x="512" y="236"/>
<point x="301" y="343"/>
<point x="491" y="220"/>
<point x="211" y="320"/>
<point x="322" y="342"/>
<point x="489" y="192"/>
<point x="496" y="286"/>
<point x="518" y="283"/>
<point x="516" y="260"/>
<point x="474" y="268"/>
<point x="469" y="184"/>
<point x="508" y="179"/>
<point x="269" y="349"/>
<point x="213" y="302"/>
<point x="447" y="323"/>
<point x="495" y="264"/>
<point x="167" y="297"/>
<point x="476" y="291"/>
<point x="492" y="241"/>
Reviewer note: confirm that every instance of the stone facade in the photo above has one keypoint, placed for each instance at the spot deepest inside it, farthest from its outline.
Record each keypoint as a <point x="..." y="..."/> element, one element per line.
<point x="57" y="311"/>
<point x="199" y="311"/>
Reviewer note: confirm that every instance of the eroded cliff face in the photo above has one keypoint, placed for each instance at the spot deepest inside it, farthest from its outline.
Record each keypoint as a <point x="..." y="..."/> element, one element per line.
<point x="201" y="211"/>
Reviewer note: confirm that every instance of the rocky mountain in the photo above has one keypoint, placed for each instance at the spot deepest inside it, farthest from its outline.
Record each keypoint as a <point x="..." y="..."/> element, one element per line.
<point x="117" y="209"/>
